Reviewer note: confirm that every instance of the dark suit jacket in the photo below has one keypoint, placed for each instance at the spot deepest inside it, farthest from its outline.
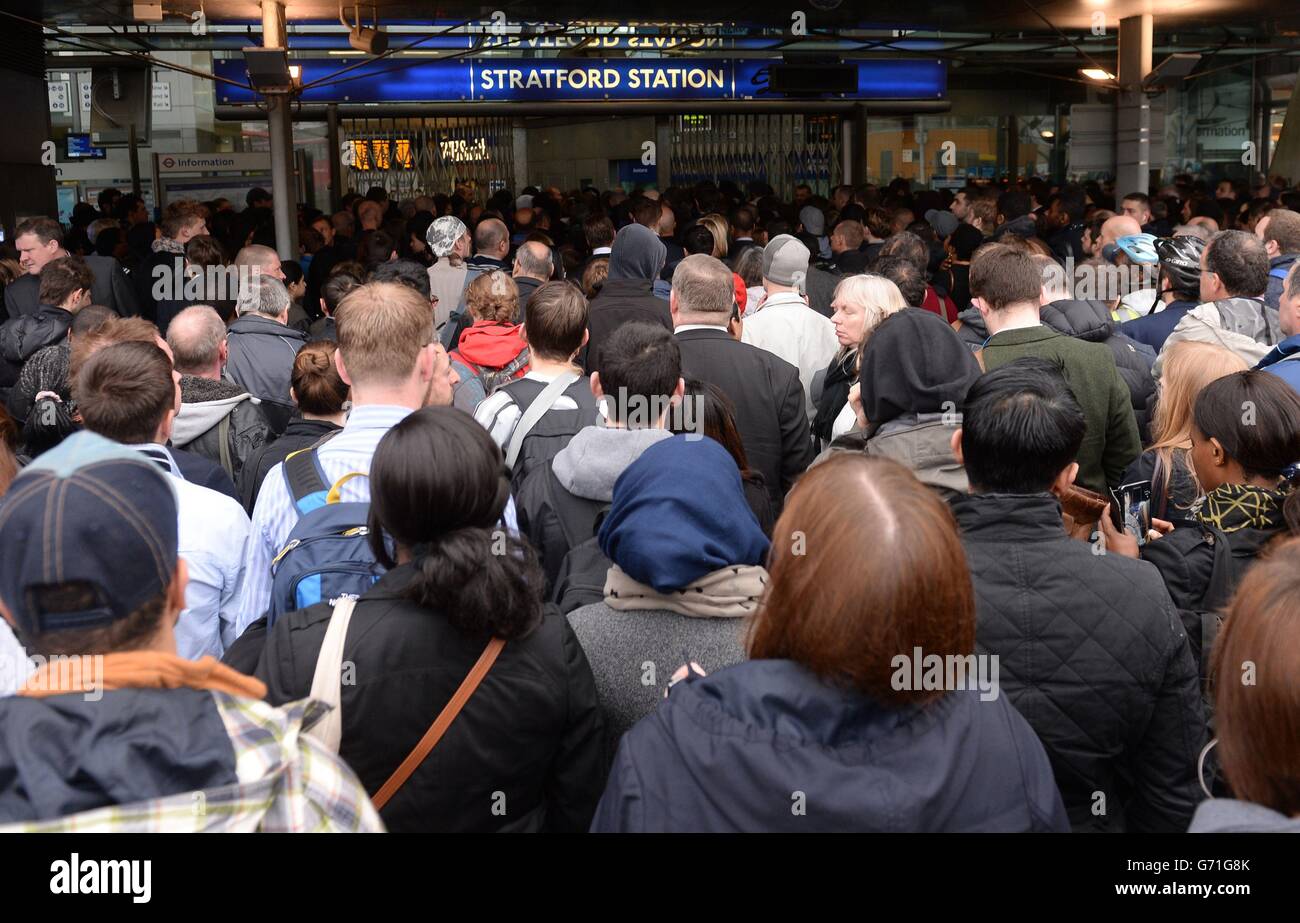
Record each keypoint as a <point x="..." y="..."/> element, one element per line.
<point x="765" y="390"/>
<point x="111" y="288"/>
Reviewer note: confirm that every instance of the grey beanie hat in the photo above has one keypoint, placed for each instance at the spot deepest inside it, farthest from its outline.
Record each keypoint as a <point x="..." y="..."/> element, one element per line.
<point x="443" y="234"/>
<point x="813" y="220"/>
<point x="785" y="261"/>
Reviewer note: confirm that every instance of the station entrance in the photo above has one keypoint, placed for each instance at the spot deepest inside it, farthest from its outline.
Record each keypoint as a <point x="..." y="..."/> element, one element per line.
<point x="476" y="156"/>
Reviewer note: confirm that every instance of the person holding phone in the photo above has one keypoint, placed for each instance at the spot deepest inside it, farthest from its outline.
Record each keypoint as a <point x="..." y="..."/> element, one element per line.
<point x="1167" y="464"/>
<point x="1245" y="436"/>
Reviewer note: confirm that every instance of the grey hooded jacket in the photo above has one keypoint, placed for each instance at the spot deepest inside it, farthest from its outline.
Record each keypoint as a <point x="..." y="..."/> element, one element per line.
<point x="922" y="443"/>
<point x="211" y="408"/>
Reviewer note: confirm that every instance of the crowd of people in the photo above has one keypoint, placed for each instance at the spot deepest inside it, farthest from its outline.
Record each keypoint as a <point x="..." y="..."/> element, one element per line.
<point x="653" y="511"/>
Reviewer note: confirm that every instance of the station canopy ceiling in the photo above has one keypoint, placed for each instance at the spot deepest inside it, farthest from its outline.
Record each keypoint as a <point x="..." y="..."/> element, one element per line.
<point x="1056" y="35"/>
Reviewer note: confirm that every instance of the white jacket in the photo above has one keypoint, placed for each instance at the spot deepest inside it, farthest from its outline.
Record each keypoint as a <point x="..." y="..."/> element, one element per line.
<point x="787" y="327"/>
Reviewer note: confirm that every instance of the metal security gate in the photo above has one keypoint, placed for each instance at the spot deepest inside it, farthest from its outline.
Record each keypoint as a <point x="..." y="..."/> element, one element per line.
<point x="781" y="150"/>
<point x="410" y="157"/>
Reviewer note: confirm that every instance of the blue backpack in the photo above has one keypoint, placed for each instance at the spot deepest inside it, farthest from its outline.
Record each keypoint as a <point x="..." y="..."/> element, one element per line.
<point x="328" y="553"/>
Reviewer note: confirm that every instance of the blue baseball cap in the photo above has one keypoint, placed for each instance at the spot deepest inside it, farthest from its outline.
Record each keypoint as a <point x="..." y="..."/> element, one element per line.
<point x="92" y="515"/>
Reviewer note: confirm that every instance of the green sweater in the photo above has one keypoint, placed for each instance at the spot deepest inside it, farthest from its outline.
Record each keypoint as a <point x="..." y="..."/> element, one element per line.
<point x="1111" y="441"/>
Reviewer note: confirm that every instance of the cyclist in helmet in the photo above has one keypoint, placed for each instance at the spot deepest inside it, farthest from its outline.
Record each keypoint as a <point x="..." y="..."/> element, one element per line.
<point x="1178" y="292"/>
<point x="1232" y="312"/>
<point x="1136" y="255"/>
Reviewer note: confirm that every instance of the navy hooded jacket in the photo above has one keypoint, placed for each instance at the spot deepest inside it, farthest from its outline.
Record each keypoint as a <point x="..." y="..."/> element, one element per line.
<point x="767" y="746"/>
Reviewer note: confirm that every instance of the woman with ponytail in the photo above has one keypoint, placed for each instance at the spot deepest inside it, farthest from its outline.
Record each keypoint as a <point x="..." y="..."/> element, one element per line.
<point x="321" y="396"/>
<point x="524" y="753"/>
<point x="1245" y="443"/>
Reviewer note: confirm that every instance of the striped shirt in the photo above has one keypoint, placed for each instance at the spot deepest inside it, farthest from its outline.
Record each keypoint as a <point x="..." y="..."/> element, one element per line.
<point x="274" y="516"/>
<point x="499" y="414"/>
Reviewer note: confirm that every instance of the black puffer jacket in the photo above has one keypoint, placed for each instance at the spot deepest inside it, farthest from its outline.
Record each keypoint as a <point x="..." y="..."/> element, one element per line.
<point x="524" y="754"/>
<point x="1089" y="321"/>
<point x="1092" y="653"/>
<point x="1202" y="567"/>
<point x="22" y="337"/>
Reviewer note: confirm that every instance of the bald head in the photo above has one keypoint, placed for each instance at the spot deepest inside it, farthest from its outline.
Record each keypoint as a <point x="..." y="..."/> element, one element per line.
<point x="533" y="261"/>
<point x="263" y="258"/>
<point x="492" y="239"/>
<point x="1115" y="228"/>
<point x="703" y="291"/>
<point x="197" y="339"/>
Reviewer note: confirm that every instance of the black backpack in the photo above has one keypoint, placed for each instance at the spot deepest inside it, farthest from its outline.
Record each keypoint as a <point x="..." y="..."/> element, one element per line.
<point x="581" y="578"/>
<point x="539" y="442"/>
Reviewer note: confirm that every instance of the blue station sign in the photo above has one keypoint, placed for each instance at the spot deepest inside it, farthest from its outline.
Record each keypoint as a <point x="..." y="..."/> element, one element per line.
<point x="493" y="79"/>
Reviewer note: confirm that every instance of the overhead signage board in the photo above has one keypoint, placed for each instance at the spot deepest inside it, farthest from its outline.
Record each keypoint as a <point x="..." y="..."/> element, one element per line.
<point x="574" y="80"/>
<point x="205" y="163"/>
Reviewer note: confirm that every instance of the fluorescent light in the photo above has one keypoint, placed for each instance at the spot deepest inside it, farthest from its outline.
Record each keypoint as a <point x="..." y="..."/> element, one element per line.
<point x="1096" y="73"/>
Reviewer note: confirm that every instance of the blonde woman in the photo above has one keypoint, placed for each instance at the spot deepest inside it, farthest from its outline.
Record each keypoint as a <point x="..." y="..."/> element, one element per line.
<point x="1188" y="367"/>
<point x="860" y="303"/>
<point x="719" y="228"/>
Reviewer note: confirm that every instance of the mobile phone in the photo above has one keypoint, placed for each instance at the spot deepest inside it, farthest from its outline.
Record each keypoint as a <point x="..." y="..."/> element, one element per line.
<point x="1131" y="509"/>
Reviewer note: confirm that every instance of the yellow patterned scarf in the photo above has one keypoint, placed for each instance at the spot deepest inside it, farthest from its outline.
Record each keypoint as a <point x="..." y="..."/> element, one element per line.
<point x="1230" y="507"/>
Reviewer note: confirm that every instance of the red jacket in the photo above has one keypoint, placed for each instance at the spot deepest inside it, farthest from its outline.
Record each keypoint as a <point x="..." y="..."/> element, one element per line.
<point x="491" y="345"/>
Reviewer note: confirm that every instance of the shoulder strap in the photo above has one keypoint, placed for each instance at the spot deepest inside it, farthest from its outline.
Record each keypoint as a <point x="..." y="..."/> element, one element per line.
<point x="327" y="681"/>
<point x="305" y="477"/>
<point x="223" y="439"/>
<point x="1223" y="573"/>
<point x="440" y="724"/>
<point x="536" y="410"/>
<point x="565" y="511"/>
<point x="456" y="356"/>
<point x="1156" y="469"/>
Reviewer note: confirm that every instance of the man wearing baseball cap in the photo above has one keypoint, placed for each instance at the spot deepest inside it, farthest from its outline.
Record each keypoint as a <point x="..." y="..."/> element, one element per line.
<point x="133" y="737"/>
<point x="783" y="324"/>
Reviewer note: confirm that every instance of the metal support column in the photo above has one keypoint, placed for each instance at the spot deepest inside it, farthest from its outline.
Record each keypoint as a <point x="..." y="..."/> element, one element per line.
<point x="860" y="168"/>
<point x="279" y="122"/>
<point x="1132" y="108"/>
<point x="336" y="167"/>
<point x="1286" y="155"/>
<point x="520" y="150"/>
<point x="663" y="151"/>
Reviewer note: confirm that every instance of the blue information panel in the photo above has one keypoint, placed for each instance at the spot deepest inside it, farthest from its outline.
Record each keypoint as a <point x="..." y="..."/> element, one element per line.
<point x="588" y="80"/>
